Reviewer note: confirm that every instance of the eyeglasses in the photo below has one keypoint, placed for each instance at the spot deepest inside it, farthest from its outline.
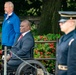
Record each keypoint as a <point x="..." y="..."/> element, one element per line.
<point x="62" y="22"/>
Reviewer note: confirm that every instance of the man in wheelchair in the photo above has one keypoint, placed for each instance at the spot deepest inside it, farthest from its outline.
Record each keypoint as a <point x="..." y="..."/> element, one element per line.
<point x="22" y="47"/>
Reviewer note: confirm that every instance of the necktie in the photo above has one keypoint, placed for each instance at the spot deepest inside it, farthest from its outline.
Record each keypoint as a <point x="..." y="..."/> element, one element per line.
<point x="20" y="37"/>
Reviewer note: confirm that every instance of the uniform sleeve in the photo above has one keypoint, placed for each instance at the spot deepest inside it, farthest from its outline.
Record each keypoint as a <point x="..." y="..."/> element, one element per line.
<point x="71" y="60"/>
<point x="16" y="25"/>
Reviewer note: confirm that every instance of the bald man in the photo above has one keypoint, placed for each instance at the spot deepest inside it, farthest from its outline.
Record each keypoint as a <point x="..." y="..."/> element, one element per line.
<point x="10" y="26"/>
<point x="23" y="46"/>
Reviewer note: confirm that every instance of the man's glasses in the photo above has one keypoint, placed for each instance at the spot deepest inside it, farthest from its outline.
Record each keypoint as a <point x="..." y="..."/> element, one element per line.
<point x="62" y="22"/>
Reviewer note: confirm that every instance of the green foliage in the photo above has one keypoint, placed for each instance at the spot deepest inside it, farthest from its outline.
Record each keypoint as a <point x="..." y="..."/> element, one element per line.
<point x="33" y="7"/>
<point x="47" y="37"/>
<point x="46" y="50"/>
<point x="34" y="29"/>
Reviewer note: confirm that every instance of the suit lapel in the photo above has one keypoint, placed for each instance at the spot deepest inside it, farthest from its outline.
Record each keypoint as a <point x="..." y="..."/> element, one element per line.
<point x="21" y="38"/>
<point x="16" y="40"/>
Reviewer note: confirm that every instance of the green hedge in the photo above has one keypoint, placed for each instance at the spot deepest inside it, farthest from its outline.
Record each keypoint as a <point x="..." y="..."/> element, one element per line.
<point x="46" y="50"/>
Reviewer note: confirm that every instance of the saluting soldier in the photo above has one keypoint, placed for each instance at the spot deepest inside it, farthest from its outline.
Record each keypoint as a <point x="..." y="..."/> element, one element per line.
<point x="66" y="46"/>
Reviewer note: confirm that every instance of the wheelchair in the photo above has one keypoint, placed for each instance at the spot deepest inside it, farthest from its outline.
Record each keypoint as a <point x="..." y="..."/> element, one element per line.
<point x="27" y="67"/>
<point x="31" y="68"/>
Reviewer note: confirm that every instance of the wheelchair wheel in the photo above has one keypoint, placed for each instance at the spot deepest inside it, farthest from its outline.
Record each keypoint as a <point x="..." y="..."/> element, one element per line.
<point x="33" y="68"/>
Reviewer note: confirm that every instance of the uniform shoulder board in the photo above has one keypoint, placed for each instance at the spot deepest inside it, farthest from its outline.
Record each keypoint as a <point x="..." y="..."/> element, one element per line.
<point x="71" y="41"/>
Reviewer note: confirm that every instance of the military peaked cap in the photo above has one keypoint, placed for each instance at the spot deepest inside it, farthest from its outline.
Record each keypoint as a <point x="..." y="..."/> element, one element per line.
<point x="66" y="15"/>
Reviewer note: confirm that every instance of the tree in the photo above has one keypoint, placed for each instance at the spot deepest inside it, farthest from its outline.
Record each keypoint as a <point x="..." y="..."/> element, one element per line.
<point x="1" y="7"/>
<point x="64" y="5"/>
<point x="49" y="17"/>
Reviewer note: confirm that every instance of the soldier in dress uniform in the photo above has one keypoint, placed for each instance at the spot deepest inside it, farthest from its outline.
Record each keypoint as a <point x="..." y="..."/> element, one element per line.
<point x="66" y="46"/>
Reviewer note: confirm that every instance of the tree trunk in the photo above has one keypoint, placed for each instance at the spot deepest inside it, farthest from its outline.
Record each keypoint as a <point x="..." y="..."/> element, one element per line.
<point x="49" y="17"/>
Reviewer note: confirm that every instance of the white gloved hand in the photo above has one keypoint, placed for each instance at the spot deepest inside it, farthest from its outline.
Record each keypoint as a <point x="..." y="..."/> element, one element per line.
<point x="3" y="57"/>
<point x="7" y="57"/>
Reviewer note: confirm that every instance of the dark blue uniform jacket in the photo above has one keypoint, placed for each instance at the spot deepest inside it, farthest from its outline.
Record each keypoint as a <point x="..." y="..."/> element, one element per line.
<point x="66" y="53"/>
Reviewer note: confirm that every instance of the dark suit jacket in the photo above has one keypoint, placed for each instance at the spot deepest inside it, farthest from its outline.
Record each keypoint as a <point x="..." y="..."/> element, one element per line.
<point x="22" y="48"/>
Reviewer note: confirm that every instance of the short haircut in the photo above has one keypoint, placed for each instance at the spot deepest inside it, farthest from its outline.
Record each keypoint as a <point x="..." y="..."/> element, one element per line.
<point x="27" y="21"/>
<point x="10" y="4"/>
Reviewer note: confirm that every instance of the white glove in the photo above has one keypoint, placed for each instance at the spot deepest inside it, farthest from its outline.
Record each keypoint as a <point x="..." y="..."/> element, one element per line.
<point x="7" y="57"/>
<point x="3" y="57"/>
